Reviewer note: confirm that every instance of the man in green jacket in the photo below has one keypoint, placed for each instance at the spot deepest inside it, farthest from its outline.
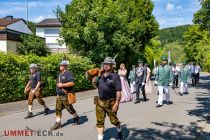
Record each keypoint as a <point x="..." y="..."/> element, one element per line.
<point x="184" y="75"/>
<point x="164" y="79"/>
<point x="132" y="79"/>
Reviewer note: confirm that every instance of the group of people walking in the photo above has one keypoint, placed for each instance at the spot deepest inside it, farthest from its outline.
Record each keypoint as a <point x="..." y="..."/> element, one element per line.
<point x="64" y="86"/>
<point x="139" y="78"/>
<point x="113" y="88"/>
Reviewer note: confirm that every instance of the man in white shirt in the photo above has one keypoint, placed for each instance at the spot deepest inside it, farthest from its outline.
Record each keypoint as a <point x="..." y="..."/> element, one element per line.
<point x="197" y="72"/>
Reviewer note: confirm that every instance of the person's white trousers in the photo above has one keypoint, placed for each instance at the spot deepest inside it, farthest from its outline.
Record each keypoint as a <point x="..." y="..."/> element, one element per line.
<point x="133" y="88"/>
<point x="163" y="90"/>
<point x="183" y="87"/>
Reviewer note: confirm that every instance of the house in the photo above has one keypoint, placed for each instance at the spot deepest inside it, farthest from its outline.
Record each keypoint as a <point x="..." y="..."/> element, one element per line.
<point x="10" y="31"/>
<point x="49" y="29"/>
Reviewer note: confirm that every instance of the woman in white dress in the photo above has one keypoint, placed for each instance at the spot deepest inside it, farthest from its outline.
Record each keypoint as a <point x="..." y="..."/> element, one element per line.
<point x="126" y="91"/>
<point x="148" y="86"/>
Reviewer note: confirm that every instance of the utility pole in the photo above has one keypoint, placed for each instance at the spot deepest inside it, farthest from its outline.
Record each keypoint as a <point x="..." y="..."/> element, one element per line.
<point x="179" y="16"/>
<point x="27" y="15"/>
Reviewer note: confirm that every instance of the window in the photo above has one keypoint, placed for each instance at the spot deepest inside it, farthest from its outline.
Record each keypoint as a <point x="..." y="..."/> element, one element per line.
<point x="53" y="45"/>
<point x="51" y="32"/>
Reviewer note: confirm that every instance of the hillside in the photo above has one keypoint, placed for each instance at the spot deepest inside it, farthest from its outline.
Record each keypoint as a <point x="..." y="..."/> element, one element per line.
<point x="172" y="34"/>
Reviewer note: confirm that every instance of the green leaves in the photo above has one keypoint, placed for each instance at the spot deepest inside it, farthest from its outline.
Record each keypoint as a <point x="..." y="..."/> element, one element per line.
<point x="14" y="73"/>
<point x="100" y="28"/>
<point x="31" y="44"/>
<point x="202" y="16"/>
<point x="197" y="46"/>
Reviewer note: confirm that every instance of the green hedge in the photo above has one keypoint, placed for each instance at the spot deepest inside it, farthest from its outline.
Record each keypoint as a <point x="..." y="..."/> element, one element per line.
<point x="14" y="74"/>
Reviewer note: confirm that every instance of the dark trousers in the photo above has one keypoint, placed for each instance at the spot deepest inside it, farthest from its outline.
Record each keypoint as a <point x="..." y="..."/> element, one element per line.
<point x="138" y="87"/>
<point x="194" y="79"/>
<point x="197" y="76"/>
<point x="175" y="80"/>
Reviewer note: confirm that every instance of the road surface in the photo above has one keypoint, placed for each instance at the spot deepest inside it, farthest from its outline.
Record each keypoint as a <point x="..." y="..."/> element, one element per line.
<point x="183" y="120"/>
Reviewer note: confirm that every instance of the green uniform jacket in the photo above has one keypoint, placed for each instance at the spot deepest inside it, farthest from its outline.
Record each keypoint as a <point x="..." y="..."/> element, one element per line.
<point x="132" y="75"/>
<point x="184" y="75"/>
<point x="164" y="75"/>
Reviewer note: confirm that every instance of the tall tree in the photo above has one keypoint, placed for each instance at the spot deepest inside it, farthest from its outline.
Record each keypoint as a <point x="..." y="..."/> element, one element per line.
<point x="195" y="40"/>
<point x="202" y="16"/>
<point x="100" y="28"/>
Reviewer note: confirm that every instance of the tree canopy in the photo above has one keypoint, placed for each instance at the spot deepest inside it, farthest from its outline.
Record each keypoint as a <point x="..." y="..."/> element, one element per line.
<point x="32" y="44"/>
<point x="197" y="38"/>
<point x="202" y="16"/>
<point x="100" y="28"/>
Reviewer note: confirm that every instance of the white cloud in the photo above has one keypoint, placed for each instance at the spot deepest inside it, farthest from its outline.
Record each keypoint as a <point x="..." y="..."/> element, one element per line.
<point x="40" y="18"/>
<point x="169" y="6"/>
<point x="7" y="11"/>
<point x="179" y="7"/>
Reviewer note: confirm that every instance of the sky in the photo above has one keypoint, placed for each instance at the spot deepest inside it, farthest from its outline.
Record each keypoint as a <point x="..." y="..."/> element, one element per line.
<point x="168" y="13"/>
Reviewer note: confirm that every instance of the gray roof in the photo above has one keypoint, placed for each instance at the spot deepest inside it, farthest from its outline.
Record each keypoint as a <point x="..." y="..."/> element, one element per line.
<point x="49" y="22"/>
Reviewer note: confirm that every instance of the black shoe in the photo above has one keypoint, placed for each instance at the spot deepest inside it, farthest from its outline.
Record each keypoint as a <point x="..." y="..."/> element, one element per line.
<point x="145" y="100"/>
<point x="46" y="111"/>
<point x="76" y="121"/>
<point x="30" y="115"/>
<point x="186" y="93"/>
<point x="159" y="105"/>
<point x="137" y="101"/>
<point x="133" y="92"/>
<point x="119" y="135"/>
<point x="56" y="126"/>
<point x="180" y="93"/>
<point x="169" y="103"/>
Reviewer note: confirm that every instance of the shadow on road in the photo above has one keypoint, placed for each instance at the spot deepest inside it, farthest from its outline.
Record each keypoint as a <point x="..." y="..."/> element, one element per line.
<point x="174" y="132"/>
<point x="111" y="133"/>
<point x="42" y="113"/>
<point x="83" y="119"/>
<point x="202" y="109"/>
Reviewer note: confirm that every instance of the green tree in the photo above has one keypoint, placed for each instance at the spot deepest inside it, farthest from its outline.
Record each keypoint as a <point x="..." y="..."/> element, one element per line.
<point x="32" y="26"/>
<point x="176" y="50"/>
<point x="202" y="16"/>
<point x="100" y="28"/>
<point x="196" y="41"/>
<point x="32" y="44"/>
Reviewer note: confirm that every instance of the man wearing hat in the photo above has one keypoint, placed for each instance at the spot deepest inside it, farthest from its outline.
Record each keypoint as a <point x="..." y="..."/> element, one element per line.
<point x="35" y="89"/>
<point x="131" y="77"/>
<point x="164" y="80"/>
<point x="184" y="75"/>
<point x="140" y="80"/>
<point x="109" y="90"/>
<point x="65" y="84"/>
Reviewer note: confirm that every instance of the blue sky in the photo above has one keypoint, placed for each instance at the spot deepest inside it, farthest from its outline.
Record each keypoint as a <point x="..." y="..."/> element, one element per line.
<point x="165" y="11"/>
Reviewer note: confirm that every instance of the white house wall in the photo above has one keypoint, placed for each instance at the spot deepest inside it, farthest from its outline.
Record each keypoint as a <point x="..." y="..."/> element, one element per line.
<point x="40" y="31"/>
<point x="11" y="46"/>
<point x="19" y="26"/>
<point x="3" y="46"/>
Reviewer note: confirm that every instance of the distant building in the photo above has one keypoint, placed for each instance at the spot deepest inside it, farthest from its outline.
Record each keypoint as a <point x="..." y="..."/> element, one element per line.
<point x="50" y="29"/>
<point x="10" y="31"/>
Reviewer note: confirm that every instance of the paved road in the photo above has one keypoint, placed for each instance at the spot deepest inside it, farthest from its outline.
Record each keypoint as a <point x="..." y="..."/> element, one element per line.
<point x="184" y="120"/>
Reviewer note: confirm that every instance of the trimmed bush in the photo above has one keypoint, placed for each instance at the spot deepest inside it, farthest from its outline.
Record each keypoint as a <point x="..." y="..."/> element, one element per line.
<point x="14" y="74"/>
